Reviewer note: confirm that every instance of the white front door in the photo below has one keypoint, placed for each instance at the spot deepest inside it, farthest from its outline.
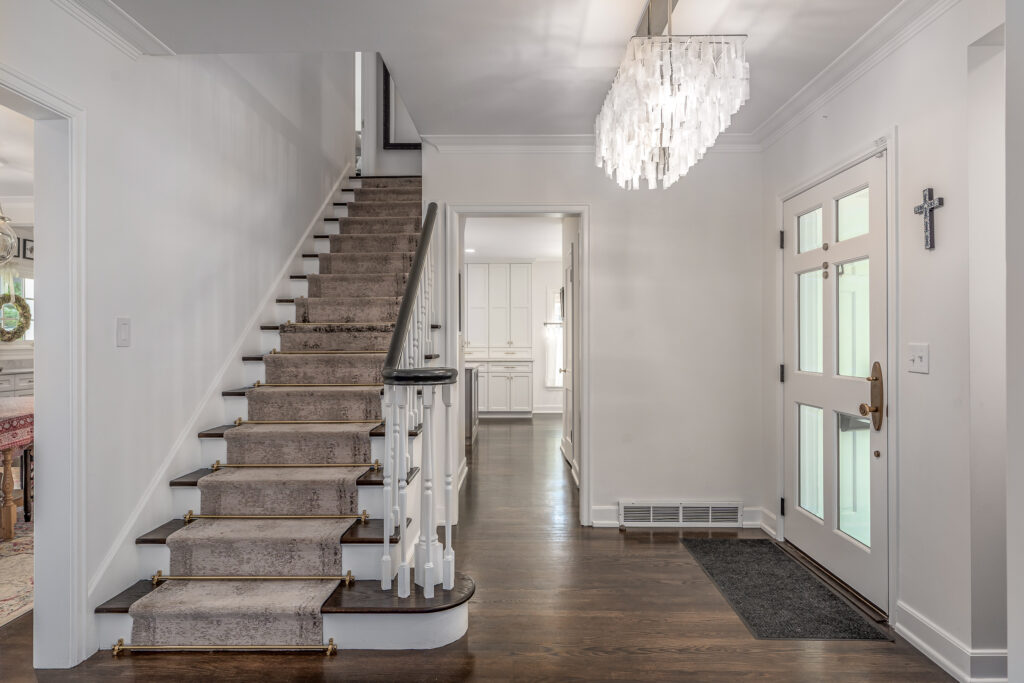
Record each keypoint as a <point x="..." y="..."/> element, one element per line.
<point x="834" y="312"/>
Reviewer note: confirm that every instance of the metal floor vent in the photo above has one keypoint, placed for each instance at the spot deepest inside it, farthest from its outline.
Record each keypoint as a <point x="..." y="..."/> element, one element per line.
<point x="680" y="513"/>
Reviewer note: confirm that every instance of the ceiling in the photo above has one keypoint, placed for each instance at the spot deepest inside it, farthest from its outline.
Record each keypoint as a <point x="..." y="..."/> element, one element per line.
<point x="518" y="237"/>
<point x="515" y="67"/>
<point x="16" y="156"/>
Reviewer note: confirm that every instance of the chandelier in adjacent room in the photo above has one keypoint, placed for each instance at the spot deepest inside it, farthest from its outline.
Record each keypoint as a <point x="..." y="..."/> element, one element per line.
<point x="670" y="99"/>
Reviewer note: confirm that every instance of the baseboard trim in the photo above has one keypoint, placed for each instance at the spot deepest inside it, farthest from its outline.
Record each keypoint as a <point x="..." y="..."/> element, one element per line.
<point x="760" y="518"/>
<point x="940" y="646"/>
<point x="604" y="516"/>
<point x="548" y="410"/>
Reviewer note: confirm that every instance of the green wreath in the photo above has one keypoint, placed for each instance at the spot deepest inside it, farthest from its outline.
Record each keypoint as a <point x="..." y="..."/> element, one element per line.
<point x="24" y="318"/>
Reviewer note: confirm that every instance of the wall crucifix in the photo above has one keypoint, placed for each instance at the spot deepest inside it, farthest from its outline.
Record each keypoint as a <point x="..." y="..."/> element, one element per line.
<point x="927" y="208"/>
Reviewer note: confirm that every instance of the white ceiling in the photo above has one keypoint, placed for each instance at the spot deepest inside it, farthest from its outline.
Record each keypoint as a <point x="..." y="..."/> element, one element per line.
<point x="16" y="155"/>
<point x="515" y="67"/>
<point x="519" y="237"/>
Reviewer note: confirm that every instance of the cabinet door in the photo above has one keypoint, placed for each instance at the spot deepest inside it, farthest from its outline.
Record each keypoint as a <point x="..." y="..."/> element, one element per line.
<point x="497" y="297"/>
<point x="498" y="392"/>
<point x="520" y="295"/>
<point x="483" y="390"/>
<point x="476" y="305"/>
<point x="521" y="392"/>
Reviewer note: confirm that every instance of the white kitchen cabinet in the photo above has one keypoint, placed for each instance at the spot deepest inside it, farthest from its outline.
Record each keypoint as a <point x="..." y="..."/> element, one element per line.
<point x="520" y="299"/>
<point x="521" y="392"/>
<point x="498" y="392"/>
<point x="509" y="387"/>
<point x="476" y="309"/>
<point x="17" y="384"/>
<point x="498" y="305"/>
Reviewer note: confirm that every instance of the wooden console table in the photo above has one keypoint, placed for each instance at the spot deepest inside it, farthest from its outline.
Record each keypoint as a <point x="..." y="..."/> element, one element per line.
<point x="17" y="421"/>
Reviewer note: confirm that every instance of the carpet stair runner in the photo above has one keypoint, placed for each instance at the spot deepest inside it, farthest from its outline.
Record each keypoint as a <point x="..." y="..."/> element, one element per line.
<point x="351" y="307"/>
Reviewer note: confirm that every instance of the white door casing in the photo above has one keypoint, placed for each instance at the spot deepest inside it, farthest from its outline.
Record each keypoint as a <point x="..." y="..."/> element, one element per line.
<point x="835" y="328"/>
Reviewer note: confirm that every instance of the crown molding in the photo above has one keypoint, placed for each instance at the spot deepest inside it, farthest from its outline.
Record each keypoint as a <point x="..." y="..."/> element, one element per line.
<point x="511" y="144"/>
<point x="901" y="24"/>
<point x="115" y="26"/>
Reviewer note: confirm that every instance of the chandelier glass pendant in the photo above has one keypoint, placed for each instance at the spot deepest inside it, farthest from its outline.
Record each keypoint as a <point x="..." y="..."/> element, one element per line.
<point x="670" y="99"/>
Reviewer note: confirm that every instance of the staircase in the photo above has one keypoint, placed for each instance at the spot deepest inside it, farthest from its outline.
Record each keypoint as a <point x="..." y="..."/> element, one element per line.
<point x="322" y="492"/>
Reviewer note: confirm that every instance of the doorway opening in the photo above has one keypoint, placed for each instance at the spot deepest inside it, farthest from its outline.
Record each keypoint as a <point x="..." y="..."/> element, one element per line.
<point x="521" y="332"/>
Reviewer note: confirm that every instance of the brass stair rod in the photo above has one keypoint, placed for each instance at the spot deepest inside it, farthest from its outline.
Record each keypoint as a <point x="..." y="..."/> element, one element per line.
<point x="120" y="647"/>
<point x="364" y="517"/>
<point x="375" y="465"/>
<point x="240" y="422"/>
<point x="347" y="579"/>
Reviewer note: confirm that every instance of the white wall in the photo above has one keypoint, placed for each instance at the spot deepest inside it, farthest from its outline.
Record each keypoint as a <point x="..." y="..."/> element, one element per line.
<point x="673" y="306"/>
<point x="1015" y="337"/>
<point x="547" y="275"/>
<point x="202" y="174"/>
<point x="923" y="88"/>
<point x="376" y="159"/>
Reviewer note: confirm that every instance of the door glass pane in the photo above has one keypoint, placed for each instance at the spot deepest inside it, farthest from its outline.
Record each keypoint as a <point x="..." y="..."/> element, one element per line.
<point x="855" y="477"/>
<point x="854" y="340"/>
<point x="808" y="228"/>
<point x="811" y="460"/>
<point x="809" y="306"/>
<point x="852" y="215"/>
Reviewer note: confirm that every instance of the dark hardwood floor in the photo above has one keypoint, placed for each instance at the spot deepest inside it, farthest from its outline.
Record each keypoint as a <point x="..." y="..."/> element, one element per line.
<point x="554" y="601"/>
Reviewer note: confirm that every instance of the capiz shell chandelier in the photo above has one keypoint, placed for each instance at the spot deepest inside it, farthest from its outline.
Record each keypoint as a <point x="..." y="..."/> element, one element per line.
<point x="670" y="99"/>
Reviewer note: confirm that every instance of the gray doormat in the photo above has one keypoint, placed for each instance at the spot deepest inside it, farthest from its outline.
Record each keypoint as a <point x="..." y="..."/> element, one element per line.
<point x="775" y="596"/>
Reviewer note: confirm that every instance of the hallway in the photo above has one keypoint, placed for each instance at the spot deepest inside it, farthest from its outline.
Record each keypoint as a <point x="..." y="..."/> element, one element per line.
<point x="554" y="601"/>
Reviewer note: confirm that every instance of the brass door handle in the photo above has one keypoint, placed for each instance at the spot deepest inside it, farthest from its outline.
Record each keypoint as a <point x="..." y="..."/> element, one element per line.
<point x="561" y="369"/>
<point x="874" y="409"/>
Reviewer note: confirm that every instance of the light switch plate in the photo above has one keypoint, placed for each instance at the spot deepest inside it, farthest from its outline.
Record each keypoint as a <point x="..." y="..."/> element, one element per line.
<point x="124" y="332"/>
<point x="918" y="358"/>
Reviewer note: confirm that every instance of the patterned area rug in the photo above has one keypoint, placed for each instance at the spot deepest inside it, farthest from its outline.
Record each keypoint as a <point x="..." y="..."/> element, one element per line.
<point x="16" y="573"/>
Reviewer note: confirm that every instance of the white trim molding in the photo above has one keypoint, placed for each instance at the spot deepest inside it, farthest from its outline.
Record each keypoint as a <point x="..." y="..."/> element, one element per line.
<point x="114" y="25"/>
<point x="605" y="516"/>
<point x="511" y="144"/>
<point x="948" y="651"/>
<point x="760" y="518"/>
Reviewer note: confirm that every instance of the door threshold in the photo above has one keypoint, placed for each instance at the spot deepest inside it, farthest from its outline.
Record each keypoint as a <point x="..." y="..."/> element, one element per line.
<point x="845" y="591"/>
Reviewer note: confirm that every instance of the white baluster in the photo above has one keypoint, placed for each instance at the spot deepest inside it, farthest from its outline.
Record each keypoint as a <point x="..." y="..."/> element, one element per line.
<point x="449" y="489"/>
<point x="387" y="401"/>
<point x="403" y="484"/>
<point x="425" y="560"/>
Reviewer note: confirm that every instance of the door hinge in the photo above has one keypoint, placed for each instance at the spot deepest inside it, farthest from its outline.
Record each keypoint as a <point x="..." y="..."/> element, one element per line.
<point x="782" y="507"/>
<point x="782" y="372"/>
<point x="782" y="239"/>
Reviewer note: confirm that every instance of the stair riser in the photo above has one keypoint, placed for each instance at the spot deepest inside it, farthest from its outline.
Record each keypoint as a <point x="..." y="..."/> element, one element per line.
<point x="389" y="182"/>
<point x="347" y="310"/>
<point x="237" y="557"/>
<point x="306" y="406"/>
<point x="393" y="262"/>
<point x="299" y="448"/>
<point x="379" y="225"/>
<point x="357" y="339"/>
<point x="356" y="286"/>
<point x="349" y="244"/>
<point x="334" y="369"/>
<point x="385" y="209"/>
<point x="309" y="266"/>
<point x="337" y="211"/>
<point x="278" y="497"/>
<point x="389" y="194"/>
<point x="297" y="288"/>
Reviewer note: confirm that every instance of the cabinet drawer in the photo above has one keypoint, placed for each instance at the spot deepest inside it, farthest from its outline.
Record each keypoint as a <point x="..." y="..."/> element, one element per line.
<point x="24" y="381"/>
<point x="511" y="352"/>
<point x="474" y="353"/>
<point x="6" y="383"/>
<point x="24" y="392"/>
<point x="507" y="368"/>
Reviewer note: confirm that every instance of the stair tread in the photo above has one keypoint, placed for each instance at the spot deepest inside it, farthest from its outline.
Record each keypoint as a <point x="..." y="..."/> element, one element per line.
<point x="366" y="597"/>
<point x="413" y="431"/>
<point x="369" y="532"/>
<point x="376" y="477"/>
<point x="158" y="536"/>
<point x="381" y="177"/>
<point x="253" y="359"/>
<point x="335" y="428"/>
<point x="192" y="478"/>
<point x="215" y="432"/>
<point x="431" y="356"/>
<point x="285" y="301"/>
<point x="270" y="328"/>
<point x="240" y="391"/>
<point x="120" y="603"/>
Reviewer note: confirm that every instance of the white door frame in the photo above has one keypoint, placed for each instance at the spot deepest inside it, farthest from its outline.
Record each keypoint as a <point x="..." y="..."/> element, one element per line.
<point x="889" y="144"/>
<point x="62" y="635"/>
<point x="453" y="238"/>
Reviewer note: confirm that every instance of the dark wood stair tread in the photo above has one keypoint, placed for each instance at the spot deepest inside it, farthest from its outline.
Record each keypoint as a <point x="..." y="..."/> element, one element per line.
<point x="252" y="359"/>
<point x="321" y="236"/>
<point x="431" y="356"/>
<point x="240" y="391"/>
<point x="366" y="597"/>
<point x="215" y="432"/>
<point x="120" y="603"/>
<point x="369" y="532"/>
<point x="343" y="203"/>
<point x="192" y="478"/>
<point x="376" y="478"/>
<point x="413" y="431"/>
<point x="381" y="177"/>
<point x="435" y="326"/>
<point x="330" y="220"/>
<point x="270" y="328"/>
<point x="285" y="301"/>
<point x="296" y="277"/>
<point x="311" y="256"/>
<point x="158" y="536"/>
